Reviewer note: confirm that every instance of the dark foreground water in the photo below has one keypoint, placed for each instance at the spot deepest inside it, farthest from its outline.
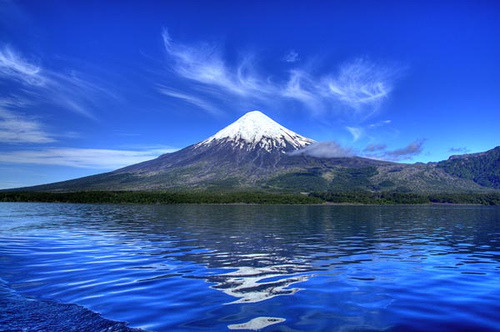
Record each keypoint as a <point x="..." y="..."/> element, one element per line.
<point x="283" y="268"/>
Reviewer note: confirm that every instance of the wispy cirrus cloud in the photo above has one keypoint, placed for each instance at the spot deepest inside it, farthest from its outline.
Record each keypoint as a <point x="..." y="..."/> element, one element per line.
<point x="14" y="66"/>
<point x="65" y="89"/>
<point x="17" y="128"/>
<point x="291" y="57"/>
<point x="104" y="159"/>
<point x="201" y="103"/>
<point x="360" y="84"/>
<point x="379" y="124"/>
<point x="203" y="63"/>
<point x="355" y="132"/>
<point x="302" y="87"/>
<point x="14" y="101"/>
<point x="357" y="88"/>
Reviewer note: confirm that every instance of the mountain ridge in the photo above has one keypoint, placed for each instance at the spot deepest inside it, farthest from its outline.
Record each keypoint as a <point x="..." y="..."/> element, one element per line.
<point x="255" y="153"/>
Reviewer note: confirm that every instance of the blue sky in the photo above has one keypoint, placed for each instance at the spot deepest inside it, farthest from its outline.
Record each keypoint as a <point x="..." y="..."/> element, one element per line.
<point x="90" y="86"/>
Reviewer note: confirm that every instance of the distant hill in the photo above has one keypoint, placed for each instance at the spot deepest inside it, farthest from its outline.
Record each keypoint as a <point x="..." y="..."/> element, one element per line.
<point x="482" y="168"/>
<point x="257" y="154"/>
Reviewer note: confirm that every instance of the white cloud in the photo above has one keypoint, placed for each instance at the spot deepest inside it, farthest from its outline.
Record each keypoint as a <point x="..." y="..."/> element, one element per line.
<point x="379" y="124"/>
<point x="355" y="132"/>
<point x="324" y="150"/>
<point x="204" y="105"/>
<point x="360" y="84"/>
<point x="17" y="128"/>
<point x="212" y="81"/>
<point x="299" y="89"/>
<point x="203" y="63"/>
<point x="68" y="90"/>
<point x="104" y="159"/>
<point x="12" y="65"/>
<point x="13" y="102"/>
<point x="358" y="87"/>
<point x="71" y="92"/>
<point x="292" y="56"/>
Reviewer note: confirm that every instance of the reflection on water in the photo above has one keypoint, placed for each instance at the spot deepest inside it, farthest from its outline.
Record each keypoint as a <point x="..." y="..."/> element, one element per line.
<point x="254" y="284"/>
<point x="285" y="268"/>
<point x="257" y="323"/>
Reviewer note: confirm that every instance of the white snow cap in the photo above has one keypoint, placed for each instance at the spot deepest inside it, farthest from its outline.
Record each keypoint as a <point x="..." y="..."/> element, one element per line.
<point x="255" y="129"/>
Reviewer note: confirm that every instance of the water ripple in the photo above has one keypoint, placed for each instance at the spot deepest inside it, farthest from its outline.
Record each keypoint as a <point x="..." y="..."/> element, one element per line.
<point x="299" y="268"/>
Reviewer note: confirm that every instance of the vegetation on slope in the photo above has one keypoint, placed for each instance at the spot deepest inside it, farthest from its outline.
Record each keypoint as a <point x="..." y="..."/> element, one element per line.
<point x="299" y="181"/>
<point x="482" y="168"/>
<point x="366" y="197"/>
<point x="353" y="178"/>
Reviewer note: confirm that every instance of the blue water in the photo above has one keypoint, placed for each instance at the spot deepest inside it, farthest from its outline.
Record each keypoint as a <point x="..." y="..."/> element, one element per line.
<point x="280" y="268"/>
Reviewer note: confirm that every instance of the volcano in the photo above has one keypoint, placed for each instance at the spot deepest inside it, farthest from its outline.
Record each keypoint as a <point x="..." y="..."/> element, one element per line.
<point x="255" y="153"/>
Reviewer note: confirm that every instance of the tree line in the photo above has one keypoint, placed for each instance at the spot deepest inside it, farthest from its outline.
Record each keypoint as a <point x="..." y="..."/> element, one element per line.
<point x="205" y="197"/>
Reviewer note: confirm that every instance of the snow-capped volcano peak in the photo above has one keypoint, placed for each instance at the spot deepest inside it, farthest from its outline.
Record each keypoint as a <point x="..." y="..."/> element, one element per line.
<point x="256" y="130"/>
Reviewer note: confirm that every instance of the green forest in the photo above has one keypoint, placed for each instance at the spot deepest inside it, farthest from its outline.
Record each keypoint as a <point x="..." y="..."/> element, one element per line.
<point x="144" y="197"/>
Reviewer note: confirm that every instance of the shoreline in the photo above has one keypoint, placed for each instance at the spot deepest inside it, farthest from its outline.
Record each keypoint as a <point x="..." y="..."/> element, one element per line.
<point x="258" y="204"/>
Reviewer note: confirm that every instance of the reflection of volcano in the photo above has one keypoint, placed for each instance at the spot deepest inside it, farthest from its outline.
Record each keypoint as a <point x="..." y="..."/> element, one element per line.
<point x="257" y="323"/>
<point x="249" y="284"/>
<point x="255" y="284"/>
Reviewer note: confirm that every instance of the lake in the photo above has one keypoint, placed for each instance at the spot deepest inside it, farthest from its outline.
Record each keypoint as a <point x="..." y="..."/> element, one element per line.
<point x="234" y="267"/>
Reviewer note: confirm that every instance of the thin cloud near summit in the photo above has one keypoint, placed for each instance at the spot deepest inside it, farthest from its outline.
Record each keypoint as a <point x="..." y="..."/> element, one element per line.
<point x="328" y="149"/>
<point x="332" y="149"/>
